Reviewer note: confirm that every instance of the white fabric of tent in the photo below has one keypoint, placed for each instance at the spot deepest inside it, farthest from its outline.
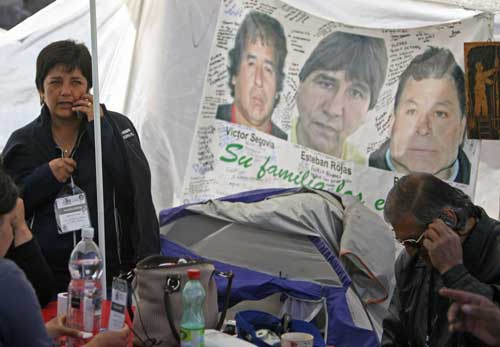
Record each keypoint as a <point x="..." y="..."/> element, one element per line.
<point x="152" y="62"/>
<point x="483" y="5"/>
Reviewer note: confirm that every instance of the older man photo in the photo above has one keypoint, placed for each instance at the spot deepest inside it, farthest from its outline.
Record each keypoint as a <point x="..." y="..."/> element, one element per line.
<point x="339" y="83"/>
<point x="429" y="120"/>
<point x="256" y="74"/>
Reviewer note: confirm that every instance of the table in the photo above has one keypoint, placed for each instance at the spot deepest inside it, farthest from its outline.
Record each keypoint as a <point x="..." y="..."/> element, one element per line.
<point x="50" y="311"/>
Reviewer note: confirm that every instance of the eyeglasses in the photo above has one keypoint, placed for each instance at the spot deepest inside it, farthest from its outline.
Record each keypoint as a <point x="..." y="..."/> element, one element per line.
<point x="412" y="242"/>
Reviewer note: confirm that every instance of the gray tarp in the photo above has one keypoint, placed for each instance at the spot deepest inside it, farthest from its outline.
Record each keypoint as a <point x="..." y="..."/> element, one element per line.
<point x="272" y="236"/>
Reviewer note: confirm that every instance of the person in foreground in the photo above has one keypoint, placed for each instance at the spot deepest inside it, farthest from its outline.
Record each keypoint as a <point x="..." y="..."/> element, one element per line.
<point x="25" y="251"/>
<point x="474" y="314"/>
<point x="449" y="242"/>
<point x="21" y="322"/>
<point x="56" y="150"/>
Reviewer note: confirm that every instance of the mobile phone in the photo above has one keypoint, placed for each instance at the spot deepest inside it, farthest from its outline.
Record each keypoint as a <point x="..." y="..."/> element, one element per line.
<point x="448" y="220"/>
<point x="455" y="224"/>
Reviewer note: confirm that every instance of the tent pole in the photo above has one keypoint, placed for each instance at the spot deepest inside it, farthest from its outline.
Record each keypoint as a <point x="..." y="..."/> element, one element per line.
<point x="98" y="145"/>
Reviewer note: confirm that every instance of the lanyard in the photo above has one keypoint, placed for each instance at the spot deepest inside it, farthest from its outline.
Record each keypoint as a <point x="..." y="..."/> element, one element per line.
<point x="72" y="184"/>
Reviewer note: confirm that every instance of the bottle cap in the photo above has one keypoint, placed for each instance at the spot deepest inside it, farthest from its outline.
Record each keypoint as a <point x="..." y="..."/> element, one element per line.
<point x="194" y="274"/>
<point x="88" y="233"/>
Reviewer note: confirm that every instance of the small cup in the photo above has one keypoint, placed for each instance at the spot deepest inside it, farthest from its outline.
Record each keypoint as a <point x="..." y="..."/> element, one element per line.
<point x="62" y="304"/>
<point x="297" y="340"/>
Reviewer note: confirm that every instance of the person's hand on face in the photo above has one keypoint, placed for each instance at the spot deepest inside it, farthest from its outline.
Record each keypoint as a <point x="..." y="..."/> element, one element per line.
<point x="474" y="314"/>
<point x="61" y="89"/>
<point x="443" y="246"/>
<point x="22" y="233"/>
<point x="6" y="232"/>
<point x="66" y="92"/>
<point x="62" y="168"/>
<point x="85" y="105"/>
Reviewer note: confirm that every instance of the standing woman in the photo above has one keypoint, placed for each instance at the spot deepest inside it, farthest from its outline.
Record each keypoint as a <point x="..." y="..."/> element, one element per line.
<point x="53" y="156"/>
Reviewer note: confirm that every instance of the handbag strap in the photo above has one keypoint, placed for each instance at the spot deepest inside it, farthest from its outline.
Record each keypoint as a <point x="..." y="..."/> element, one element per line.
<point x="173" y="284"/>
<point x="129" y="276"/>
<point x="229" y="275"/>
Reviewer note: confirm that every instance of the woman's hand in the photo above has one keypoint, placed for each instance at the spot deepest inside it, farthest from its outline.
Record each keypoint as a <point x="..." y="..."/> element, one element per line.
<point x="86" y="106"/>
<point x="62" y="168"/>
<point x="110" y="339"/>
<point x="56" y="328"/>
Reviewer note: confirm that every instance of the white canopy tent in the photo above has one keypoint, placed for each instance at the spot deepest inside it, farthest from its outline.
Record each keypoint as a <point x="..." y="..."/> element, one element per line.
<point x="152" y="63"/>
<point x="484" y="5"/>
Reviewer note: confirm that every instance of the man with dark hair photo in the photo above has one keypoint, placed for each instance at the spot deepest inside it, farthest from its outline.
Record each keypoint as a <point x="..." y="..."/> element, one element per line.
<point x="256" y="74"/>
<point x="429" y="120"/>
<point x="339" y="83"/>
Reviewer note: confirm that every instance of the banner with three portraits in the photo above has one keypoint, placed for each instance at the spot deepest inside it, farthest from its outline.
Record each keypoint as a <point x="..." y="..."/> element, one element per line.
<point x="291" y="99"/>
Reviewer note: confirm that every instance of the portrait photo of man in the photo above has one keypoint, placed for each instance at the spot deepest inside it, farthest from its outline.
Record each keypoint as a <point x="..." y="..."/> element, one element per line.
<point x="339" y="83"/>
<point x="429" y="120"/>
<point x="256" y="74"/>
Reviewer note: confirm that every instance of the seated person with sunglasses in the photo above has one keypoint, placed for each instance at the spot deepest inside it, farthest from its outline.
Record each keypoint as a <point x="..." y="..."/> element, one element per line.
<point x="449" y="242"/>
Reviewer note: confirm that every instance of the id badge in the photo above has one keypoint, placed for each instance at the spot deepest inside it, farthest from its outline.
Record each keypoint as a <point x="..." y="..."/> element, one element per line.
<point x="119" y="295"/>
<point x="71" y="209"/>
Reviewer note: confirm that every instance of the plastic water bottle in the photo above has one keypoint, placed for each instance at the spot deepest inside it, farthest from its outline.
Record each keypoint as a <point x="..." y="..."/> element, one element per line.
<point x="193" y="320"/>
<point x="84" y="291"/>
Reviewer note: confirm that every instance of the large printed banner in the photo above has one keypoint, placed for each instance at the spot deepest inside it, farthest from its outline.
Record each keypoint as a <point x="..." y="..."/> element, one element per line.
<point x="291" y="99"/>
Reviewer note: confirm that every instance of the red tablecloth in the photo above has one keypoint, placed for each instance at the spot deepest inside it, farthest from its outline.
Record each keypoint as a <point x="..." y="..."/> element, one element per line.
<point x="50" y="312"/>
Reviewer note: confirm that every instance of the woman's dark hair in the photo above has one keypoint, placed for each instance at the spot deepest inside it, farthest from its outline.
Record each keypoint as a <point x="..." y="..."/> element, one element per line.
<point x="424" y="196"/>
<point x="8" y="192"/>
<point x="68" y="53"/>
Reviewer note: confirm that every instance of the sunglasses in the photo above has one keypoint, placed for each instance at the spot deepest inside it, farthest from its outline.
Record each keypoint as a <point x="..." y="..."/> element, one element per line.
<point x="412" y="242"/>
